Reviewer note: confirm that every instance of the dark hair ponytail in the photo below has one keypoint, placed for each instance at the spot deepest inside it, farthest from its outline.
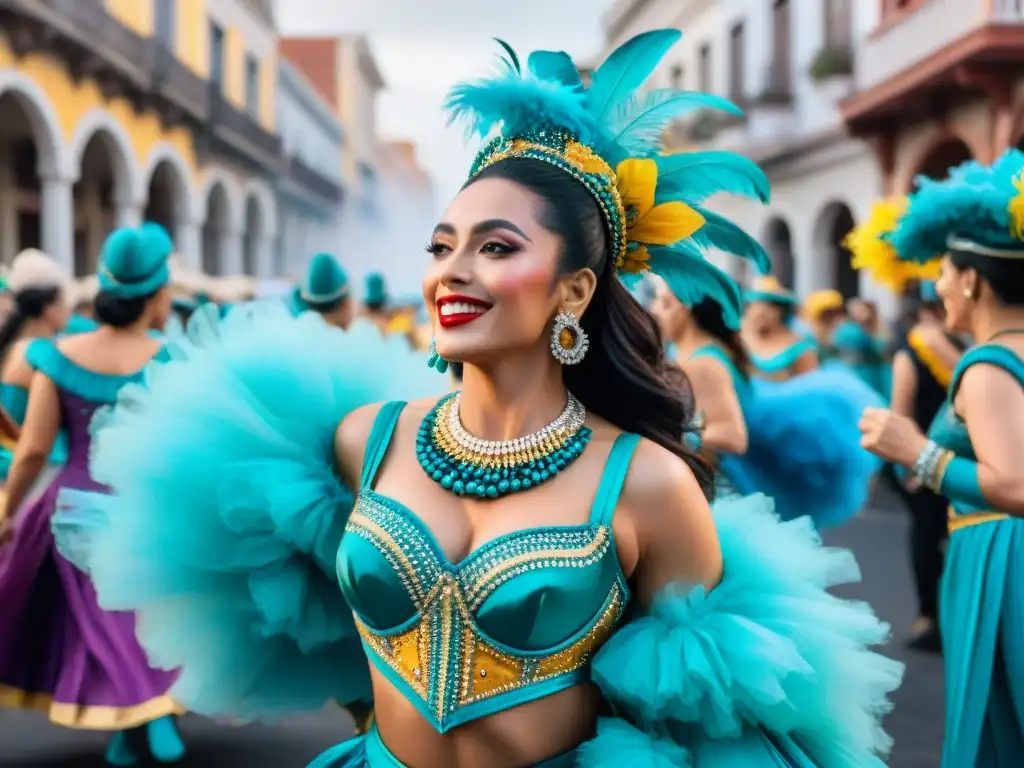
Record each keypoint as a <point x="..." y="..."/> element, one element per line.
<point x="707" y="314"/>
<point x="29" y="304"/>
<point x="625" y="377"/>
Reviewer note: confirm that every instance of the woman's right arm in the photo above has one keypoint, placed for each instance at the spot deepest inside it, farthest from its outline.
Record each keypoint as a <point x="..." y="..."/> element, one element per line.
<point x="42" y="425"/>
<point x="725" y="429"/>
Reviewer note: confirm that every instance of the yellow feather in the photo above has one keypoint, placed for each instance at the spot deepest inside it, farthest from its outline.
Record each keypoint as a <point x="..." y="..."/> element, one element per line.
<point x="872" y="253"/>
<point x="1016" y="209"/>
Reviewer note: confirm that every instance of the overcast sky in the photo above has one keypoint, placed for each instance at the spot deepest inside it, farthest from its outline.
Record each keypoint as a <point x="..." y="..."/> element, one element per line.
<point x="423" y="46"/>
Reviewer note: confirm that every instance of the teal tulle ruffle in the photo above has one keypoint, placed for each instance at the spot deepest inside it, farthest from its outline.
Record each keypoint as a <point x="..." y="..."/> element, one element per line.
<point x="769" y="646"/>
<point x="227" y="511"/>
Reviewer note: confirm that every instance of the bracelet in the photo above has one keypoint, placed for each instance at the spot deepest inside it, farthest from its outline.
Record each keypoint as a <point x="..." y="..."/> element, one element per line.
<point x="934" y="480"/>
<point x="925" y="465"/>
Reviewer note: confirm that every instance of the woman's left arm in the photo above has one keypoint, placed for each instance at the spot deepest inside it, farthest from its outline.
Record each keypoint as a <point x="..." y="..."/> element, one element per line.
<point x="42" y="424"/>
<point x="806" y="363"/>
<point x="991" y="402"/>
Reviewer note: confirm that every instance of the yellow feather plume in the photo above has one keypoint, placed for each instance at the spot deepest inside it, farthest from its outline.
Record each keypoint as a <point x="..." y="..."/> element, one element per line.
<point x="872" y="253"/>
<point x="1016" y="209"/>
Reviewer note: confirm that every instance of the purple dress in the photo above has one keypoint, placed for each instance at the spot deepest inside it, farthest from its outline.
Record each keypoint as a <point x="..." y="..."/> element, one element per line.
<point x="59" y="652"/>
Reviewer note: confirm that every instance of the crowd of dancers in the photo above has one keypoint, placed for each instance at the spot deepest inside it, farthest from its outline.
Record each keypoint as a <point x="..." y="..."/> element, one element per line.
<point x="251" y="507"/>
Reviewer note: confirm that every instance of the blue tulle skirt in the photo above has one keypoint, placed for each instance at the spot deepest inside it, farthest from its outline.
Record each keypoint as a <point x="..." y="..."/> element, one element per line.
<point x="804" y="448"/>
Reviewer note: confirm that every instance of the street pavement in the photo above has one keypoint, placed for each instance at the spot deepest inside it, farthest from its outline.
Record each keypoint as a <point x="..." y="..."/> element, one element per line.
<point x="879" y="537"/>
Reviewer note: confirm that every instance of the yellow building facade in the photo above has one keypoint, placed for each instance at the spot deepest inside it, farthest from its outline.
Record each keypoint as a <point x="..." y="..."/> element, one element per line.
<point x="143" y="109"/>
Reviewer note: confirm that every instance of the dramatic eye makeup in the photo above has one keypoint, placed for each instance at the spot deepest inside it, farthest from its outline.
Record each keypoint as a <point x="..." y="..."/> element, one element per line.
<point x="479" y="230"/>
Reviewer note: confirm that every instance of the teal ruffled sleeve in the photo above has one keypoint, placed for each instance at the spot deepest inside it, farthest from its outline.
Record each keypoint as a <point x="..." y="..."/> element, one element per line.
<point x="227" y="511"/>
<point x="769" y="650"/>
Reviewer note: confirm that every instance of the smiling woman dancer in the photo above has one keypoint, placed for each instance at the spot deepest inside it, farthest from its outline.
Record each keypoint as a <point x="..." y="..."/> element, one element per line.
<point x="534" y="571"/>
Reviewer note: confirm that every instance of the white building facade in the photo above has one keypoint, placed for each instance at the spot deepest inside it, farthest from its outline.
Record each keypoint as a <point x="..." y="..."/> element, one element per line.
<point x="310" y="190"/>
<point x="787" y="64"/>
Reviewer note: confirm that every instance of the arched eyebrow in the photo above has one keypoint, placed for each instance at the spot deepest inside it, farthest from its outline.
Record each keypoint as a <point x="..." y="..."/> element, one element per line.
<point x="483" y="227"/>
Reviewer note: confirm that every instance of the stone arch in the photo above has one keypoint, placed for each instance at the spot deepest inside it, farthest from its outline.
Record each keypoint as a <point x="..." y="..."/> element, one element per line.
<point x="213" y="176"/>
<point x="218" y="229"/>
<point x="99" y="123"/>
<point x="831" y="226"/>
<point x="34" y="151"/>
<point x="778" y="241"/>
<point x="260" y="228"/>
<point x="169" y="193"/>
<point x="51" y="152"/>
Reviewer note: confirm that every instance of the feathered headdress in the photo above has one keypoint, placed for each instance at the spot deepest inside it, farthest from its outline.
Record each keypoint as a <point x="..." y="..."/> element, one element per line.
<point x="608" y="137"/>
<point x="978" y="209"/>
<point x="872" y="251"/>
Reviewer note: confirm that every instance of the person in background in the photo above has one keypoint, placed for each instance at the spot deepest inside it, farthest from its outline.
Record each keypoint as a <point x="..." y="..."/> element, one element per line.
<point x="57" y="646"/>
<point x="776" y="351"/>
<point x="823" y="311"/>
<point x="40" y="290"/>
<point x="325" y="290"/>
<point x="375" y="300"/>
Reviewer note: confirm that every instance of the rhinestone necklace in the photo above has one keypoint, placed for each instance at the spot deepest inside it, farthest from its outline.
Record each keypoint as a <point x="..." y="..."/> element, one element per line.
<point x="470" y="466"/>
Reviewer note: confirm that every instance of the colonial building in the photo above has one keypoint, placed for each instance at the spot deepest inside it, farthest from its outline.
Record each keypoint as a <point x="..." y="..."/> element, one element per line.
<point x="343" y="70"/>
<point x="938" y="83"/>
<point x="787" y="64"/>
<point x="115" y="111"/>
<point x="410" y="215"/>
<point x="310" y="187"/>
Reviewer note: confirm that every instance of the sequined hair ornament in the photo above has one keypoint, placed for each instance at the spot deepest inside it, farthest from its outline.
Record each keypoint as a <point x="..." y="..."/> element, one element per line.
<point x="978" y="209"/>
<point x="873" y="253"/>
<point x="608" y="137"/>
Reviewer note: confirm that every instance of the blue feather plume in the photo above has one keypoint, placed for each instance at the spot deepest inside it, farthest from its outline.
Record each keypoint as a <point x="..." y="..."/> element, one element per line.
<point x="637" y="124"/>
<point x="692" y="279"/>
<point x="721" y="234"/>
<point x="696" y="176"/>
<point x="626" y="69"/>
<point x="556" y="66"/>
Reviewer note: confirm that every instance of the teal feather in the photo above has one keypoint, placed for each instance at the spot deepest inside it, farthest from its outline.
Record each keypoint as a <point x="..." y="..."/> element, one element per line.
<point x="555" y="66"/>
<point x="513" y="58"/>
<point x="696" y="176"/>
<point x="637" y="124"/>
<point x="721" y="234"/>
<point x="626" y="69"/>
<point x="692" y="279"/>
<point x="521" y="104"/>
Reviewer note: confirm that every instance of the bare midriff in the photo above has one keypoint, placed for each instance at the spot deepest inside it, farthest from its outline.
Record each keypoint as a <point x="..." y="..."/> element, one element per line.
<point x="516" y="738"/>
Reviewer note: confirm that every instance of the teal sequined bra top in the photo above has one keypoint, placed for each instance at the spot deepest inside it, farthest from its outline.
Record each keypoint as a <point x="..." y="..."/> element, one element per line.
<point x="516" y="620"/>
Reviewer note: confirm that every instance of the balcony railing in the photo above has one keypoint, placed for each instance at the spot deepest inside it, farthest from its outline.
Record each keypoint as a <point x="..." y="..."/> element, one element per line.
<point x="937" y="24"/>
<point x="307" y="178"/>
<point x="241" y="132"/>
<point x="84" y="31"/>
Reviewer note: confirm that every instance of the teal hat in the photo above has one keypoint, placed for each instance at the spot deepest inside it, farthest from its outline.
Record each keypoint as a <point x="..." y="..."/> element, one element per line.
<point x="133" y="261"/>
<point x="375" y="290"/>
<point x="325" y="282"/>
<point x="769" y="289"/>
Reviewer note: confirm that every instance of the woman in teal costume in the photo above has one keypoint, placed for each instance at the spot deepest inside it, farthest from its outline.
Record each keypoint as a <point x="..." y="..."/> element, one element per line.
<point x="58" y="649"/>
<point x="325" y="291"/>
<point x="974" y="453"/>
<point x="486" y="592"/>
<point x="795" y="440"/>
<point x="777" y="351"/>
<point x="39" y="288"/>
<point x="375" y="300"/>
<point x="865" y="354"/>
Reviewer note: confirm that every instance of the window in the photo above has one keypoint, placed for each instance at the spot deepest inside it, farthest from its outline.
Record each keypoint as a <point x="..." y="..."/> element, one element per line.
<point x="704" y="69"/>
<point x="252" y="85"/>
<point x="838" y="22"/>
<point x="166" y="12"/>
<point x="780" y="69"/>
<point x="737" y="62"/>
<point x="217" y="55"/>
<point x="676" y="77"/>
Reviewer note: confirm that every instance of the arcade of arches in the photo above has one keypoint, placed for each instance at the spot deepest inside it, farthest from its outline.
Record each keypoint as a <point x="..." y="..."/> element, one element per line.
<point x="65" y="197"/>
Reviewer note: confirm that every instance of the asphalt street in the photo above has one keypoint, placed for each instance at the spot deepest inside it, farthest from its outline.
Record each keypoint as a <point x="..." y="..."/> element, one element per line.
<point x="877" y="536"/>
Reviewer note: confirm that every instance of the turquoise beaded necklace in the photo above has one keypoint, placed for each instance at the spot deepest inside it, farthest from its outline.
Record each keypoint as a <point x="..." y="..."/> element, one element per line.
<point x="469" y="466"/>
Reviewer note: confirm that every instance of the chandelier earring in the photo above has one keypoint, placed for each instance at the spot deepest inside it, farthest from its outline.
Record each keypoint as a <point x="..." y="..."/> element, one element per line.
<point x="434" y="359"/>
<point x="569" y="342"/>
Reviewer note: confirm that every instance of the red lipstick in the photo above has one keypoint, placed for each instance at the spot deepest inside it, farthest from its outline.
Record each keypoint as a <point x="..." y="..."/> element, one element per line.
<point x="455" y="309"/>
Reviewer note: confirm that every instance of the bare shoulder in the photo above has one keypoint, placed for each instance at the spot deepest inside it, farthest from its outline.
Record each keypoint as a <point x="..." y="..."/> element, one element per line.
<point x="707" y="369"/>
<point x="659" y="482"/>
<point x="16" y="369"/>
<point x="353" y="434"/>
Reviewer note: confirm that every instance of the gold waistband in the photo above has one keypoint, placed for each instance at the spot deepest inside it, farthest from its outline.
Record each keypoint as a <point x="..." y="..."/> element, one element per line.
<point x="8" y="443"/>
<point x="955" y="522"/>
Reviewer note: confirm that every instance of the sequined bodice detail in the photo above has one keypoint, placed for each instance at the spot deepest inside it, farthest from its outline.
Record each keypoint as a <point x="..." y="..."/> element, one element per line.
<point x="517" y="619"/>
